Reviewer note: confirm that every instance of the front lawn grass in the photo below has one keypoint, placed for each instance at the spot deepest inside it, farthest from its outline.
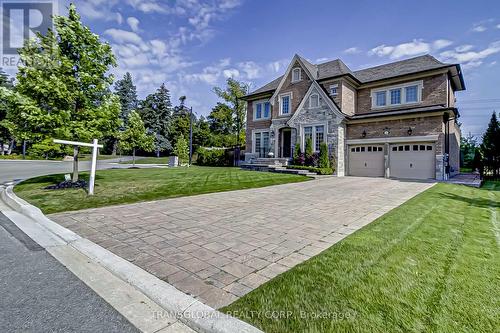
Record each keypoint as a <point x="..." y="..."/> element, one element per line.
<point x="115" y="187"/>
<point x="430" y="265"/>
<point x="148" y="160"/>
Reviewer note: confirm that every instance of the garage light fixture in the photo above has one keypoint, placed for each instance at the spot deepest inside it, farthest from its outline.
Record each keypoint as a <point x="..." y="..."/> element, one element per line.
<point x="410" y="131"/>
<point x="387" y="131"/>
<point x="363" y="135"/>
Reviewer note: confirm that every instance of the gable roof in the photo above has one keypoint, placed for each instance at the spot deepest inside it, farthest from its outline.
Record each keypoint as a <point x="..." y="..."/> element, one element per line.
<point x="398" y="68"/>
<point x="337" y="68"/>
<point x="315" y="86"/>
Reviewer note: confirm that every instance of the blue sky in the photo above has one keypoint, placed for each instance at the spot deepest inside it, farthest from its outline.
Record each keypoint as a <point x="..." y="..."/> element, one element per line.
<point x="192" y="45"/>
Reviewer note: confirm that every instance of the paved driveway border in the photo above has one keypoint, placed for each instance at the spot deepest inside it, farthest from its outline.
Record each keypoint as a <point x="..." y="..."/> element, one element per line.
<point x="176" y="304"/>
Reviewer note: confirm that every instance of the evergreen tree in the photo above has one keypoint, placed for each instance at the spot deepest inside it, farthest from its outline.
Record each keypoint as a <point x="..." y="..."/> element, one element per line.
<point x="156" y="112"/>
<point x="5" y="80"/>
<point x="63" y="86"/>
<point x="468" y="146"/>
<point x="491" y="146"/>
<point x="127" y="93"/>
<point x="324" y="160"/>
<point x="134" y="136"/>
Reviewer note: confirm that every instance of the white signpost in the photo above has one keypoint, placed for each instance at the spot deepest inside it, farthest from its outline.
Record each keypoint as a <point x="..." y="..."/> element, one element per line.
<point x="95" y="147"/>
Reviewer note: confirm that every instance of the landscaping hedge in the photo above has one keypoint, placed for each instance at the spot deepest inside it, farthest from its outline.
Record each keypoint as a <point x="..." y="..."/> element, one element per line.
<point x="320" y="171"/>
<point x="213" y="157"/>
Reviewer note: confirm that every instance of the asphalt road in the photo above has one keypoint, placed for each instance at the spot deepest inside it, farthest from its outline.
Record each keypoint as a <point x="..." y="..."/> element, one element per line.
<point x="11" y="170"/>
<point x="38" y="294"/>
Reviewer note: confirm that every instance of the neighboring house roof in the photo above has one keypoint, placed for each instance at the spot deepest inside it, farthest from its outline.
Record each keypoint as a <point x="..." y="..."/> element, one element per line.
<point x="337" y="68"/>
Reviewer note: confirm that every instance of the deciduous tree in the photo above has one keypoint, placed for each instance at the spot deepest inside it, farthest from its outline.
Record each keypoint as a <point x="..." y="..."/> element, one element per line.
<point x="134" y="136"/>
<point x="65" y="76"/>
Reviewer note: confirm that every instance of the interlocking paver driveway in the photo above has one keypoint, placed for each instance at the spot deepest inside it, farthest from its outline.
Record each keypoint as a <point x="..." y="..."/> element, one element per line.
<point x="218" y="247"/>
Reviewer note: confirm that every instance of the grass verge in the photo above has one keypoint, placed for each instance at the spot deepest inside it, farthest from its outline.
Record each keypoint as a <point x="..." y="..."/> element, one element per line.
<point x="115" y="187"/>
<point x="148" y="160"/>
<point x="430" y="265"/>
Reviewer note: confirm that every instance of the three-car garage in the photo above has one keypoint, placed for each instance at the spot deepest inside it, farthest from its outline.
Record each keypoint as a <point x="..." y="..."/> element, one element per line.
<point x="412" y="160"/>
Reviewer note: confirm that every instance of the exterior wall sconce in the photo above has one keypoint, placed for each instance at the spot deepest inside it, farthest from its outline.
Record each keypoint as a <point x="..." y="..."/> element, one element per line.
<point x="387" y="131"/>
<point x="410" y="131"/>
<point x="363" y="135"/>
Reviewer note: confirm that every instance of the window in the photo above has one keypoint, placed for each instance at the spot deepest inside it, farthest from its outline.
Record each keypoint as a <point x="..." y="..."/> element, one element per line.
<point x="308" y="134"/>
<point x="262" y="110"/>
<point x="296" y="75"/>
<point x="380" y="98"/>
<point x="429" y="147"/>
<point x="285" y="104"/>
<point x="262" y="143"/>
<point x="320" y="136"/>
<point x="411" y="94"/>
<point x="314" y="101"/>
<point x="422" y="147"/>
<point x="395" y="96"/>
<point x="353" y="150"/>
<point x="415" y="147"/>
<point x="370" y="149"/>
<point x="316" y="134"/>
<point x="394" y="148"/>
<point x="333" y="89"/>
<point x="407" y="148"/>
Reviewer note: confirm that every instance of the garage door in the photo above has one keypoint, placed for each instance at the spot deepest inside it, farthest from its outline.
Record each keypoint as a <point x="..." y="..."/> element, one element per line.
<point x="412" y="161"/>
<point x="366" y="161"/>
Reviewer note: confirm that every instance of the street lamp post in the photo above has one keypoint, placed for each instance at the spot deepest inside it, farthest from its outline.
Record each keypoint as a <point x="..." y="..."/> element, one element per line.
<point x="190" y="135"/>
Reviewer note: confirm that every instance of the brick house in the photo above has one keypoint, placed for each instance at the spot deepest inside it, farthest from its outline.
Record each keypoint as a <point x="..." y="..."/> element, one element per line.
<point x="395" y="120"/>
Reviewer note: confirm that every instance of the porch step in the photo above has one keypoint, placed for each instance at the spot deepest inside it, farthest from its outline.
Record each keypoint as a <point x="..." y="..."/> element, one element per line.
<point x="270" y="161"/>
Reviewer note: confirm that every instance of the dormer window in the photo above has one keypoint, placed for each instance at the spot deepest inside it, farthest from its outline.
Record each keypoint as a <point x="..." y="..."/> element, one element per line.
<point x="334" y="89"/>
<point x="296" y="75"/>
<point x="314" y="101"/>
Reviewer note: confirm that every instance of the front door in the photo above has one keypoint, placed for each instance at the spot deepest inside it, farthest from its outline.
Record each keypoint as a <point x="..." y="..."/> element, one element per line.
<point x="287" y="144"/>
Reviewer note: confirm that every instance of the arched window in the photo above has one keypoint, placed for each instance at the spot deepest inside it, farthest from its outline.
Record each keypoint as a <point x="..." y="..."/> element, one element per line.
<point x="314" y="101"/>
<point x="296" y="75"/>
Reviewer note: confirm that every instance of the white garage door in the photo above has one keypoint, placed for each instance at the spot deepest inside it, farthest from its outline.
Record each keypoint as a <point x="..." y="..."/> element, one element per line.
<point x="412" y="161"/>
<point x="366" y="161"/>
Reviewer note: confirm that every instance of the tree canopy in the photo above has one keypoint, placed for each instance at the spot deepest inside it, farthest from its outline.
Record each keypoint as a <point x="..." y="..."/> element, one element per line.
<point x="491" y="146"/>
<point x="62" y="88"/>
<point x="134" y="136"/>
<point x="127" y="93"/>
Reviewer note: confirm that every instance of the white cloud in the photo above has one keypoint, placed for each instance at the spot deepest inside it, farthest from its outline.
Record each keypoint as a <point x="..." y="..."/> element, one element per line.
<point x="251" y="69"/>
<point x="441" y="43"/>
<point x="133" y="23"/>
<point x="123" y="36"/>
<point x="479" y="28"/>
<point x="278" y="66"/>
<point x="352" y="50"/>
<point x="498" y="26"/>
<point x="322" y="60"/>
<point x="463" y="48"/>
<point x="413" y="48"/>
<point x="146" y="6"/>
<point x="233" y="72"/>
<point x="100" y="10"/>
<point x="470" y="59"/>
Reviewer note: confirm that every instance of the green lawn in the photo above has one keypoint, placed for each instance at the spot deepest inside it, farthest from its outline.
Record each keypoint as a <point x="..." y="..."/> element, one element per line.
<point x="148" y="160"/>
<point x="430" y="265"/>
<point x="133" y="185"/>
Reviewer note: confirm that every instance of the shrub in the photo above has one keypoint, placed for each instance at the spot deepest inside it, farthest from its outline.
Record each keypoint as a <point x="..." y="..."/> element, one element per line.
<point x="309" y="148"/>
<point x="296" y="151"/>
<point x="213" y="157"/>
<point x="324" y="161"/>
<point x="312" y="160"/>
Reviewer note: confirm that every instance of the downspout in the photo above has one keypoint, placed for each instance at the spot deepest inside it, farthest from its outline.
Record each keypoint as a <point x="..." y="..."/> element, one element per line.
<point x="446" y="119"/>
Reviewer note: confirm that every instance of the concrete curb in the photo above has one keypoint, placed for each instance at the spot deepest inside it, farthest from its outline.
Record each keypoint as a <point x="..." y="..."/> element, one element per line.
<point x="185" y="308"/>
